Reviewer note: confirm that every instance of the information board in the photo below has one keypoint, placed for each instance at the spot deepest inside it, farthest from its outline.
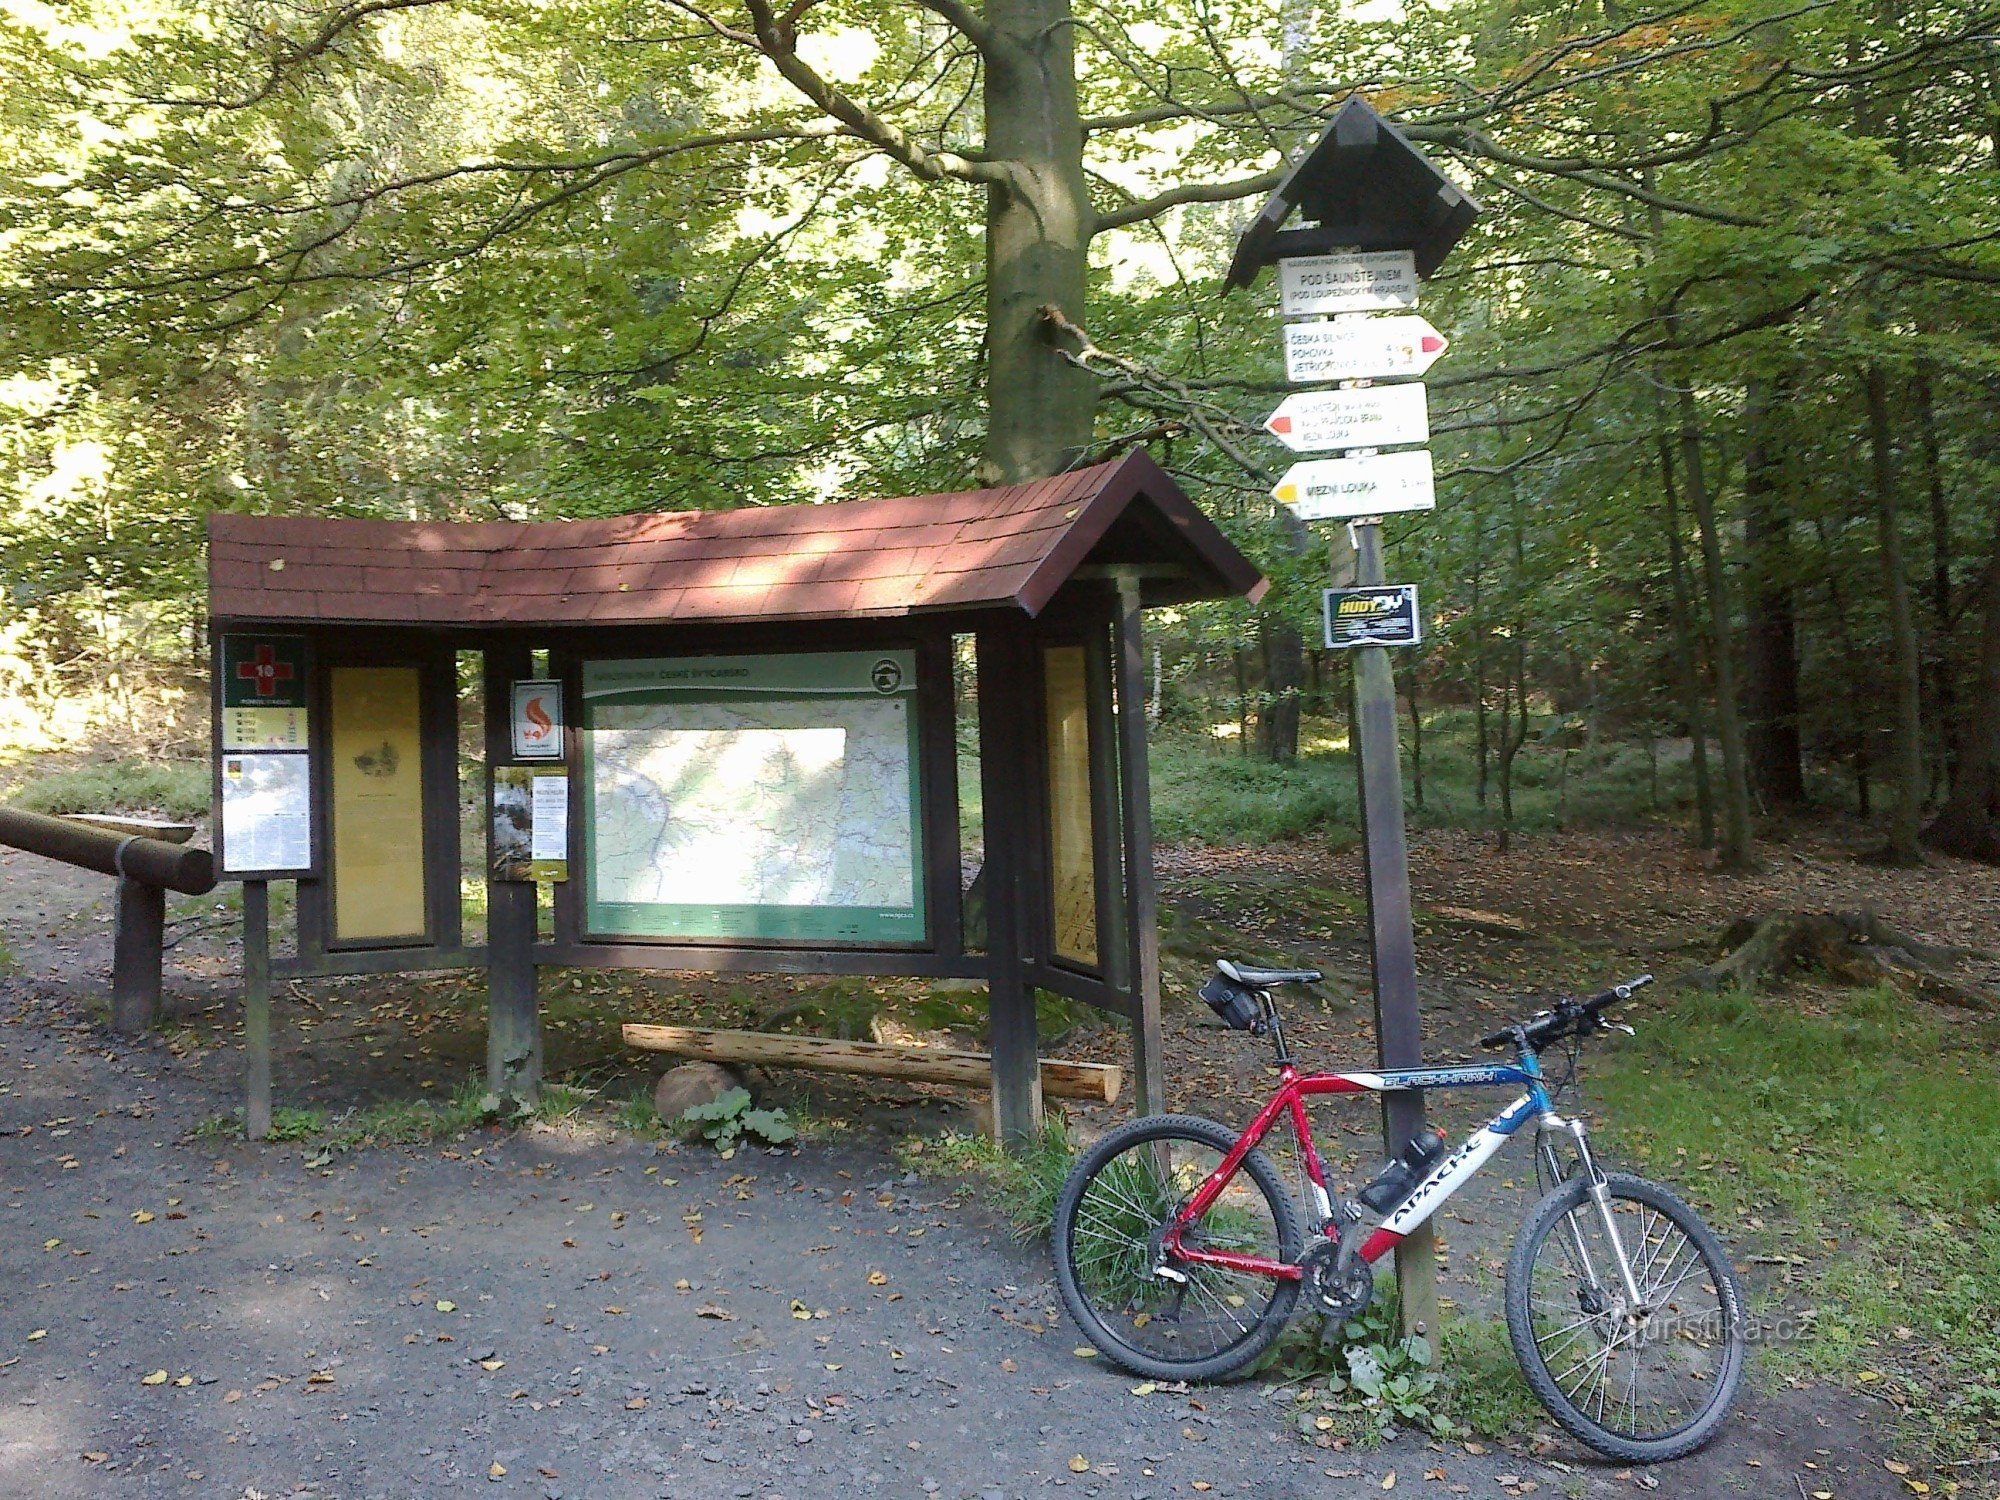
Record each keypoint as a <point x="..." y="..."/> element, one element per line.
<point x="1072" y="858"/>
<point x="266" y="814"/>
<point x="767" y="798"/>
<point x="378" y="805"/>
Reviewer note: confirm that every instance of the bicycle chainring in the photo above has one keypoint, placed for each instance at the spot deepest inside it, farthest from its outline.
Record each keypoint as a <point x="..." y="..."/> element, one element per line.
<point x="1340" y="1292"/>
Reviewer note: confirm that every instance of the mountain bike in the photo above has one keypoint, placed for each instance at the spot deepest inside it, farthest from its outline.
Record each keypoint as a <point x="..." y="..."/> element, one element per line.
<point x="1182" y="1252"/>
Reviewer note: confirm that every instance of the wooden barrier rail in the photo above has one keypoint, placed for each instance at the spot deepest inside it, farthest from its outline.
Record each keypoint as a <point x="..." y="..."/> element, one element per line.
<point x="1060" y="1080"/>
<point x="145" y="869"/>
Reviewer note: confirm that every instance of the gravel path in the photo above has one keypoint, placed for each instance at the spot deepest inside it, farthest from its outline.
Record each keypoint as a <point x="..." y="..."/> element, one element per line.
<point x="561" y="1312"/>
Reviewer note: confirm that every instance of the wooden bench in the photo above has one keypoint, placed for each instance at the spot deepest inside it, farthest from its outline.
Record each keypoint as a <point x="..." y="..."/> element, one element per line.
<point x="1099" y="1082"/>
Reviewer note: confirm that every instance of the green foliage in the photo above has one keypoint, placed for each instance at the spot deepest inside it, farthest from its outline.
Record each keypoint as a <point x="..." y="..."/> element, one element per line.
<point x="1866" y="1144"/>
<point x="170" y="788"/>
<point x="1364" y="1380"/>
<point x="1024" y="1184"/>
<point x="732" y="1118"/>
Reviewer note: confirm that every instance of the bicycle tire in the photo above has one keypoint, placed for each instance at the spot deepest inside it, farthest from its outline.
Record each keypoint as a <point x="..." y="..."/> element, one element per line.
<point x="1269" y="1321"/>
<point x="1722" y="1379"/>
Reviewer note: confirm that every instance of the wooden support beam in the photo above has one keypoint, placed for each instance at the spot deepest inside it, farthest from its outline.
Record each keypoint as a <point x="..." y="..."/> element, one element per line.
<point x="1007" y="673"/>
<point x="257" y="1009"/>
<point x="1098" y="1082"/>
<point x="513" y="1002"/>
<point x="1392" y="939"/>
<point x="1136" y="816"/>
<point x="135" y="956"/>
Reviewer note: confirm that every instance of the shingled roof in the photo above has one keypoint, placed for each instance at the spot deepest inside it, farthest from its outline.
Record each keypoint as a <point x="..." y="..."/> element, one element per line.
<point x="977" y="549"/>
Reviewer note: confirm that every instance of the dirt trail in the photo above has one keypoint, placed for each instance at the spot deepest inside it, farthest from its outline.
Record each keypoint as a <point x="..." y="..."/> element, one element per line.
<point x="566" y="1313"/>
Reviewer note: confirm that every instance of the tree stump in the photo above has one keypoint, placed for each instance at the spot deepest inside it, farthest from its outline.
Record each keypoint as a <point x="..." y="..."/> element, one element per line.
<point x="1850" y="947"/>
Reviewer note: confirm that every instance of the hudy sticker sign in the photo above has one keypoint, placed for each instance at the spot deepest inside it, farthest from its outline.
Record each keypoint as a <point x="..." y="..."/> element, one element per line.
<point x="1382" y="616"/>
<point x="538" y="721"/>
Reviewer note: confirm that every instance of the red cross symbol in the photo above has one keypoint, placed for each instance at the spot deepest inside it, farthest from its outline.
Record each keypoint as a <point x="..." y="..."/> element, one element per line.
<point x="265" y="670"/>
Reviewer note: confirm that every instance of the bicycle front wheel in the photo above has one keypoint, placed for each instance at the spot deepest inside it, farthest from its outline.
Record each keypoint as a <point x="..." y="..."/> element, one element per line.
<point x="1176" y="1320"/>
<point x="1644" y="1382"/>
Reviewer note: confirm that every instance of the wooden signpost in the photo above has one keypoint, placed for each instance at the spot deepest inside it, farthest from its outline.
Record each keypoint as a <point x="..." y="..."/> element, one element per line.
<point x="1379" y="217"/>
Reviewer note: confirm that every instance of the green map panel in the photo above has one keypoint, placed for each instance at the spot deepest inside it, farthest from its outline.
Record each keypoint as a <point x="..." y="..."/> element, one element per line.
<point x="754" y="799"/>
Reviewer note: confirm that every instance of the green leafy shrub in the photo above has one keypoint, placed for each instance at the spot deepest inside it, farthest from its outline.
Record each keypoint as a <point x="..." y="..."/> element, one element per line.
<point x="1364" y="1381"/>
<point x="731" y="1118"/>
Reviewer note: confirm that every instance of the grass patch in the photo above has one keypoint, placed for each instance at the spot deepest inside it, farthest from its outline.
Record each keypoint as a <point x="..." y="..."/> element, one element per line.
<point x="173" y="788"/>
<point x="394" y="1122"/>
<point x="1206" y="791"/>
<point x="1482" y="1380"/>
<point x="1865" y="1143"/>
<point x="1025" y="1186"/>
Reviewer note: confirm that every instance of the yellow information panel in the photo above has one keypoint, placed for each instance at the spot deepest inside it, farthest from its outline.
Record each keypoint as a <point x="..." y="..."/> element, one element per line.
<point x="378" y="805"/>
<point x="1072" y="870"/>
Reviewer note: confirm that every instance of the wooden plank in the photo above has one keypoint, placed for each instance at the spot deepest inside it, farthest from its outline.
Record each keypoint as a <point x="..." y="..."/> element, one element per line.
<point x="350" y="962"/>
<point x="937" y="779"/>
<point x="438" y="716"/>
<point x="257" y="1009"/>
<point x="688" y="958"/>
<point x="762" y="1049"/>
<point x="1079" y="985"/>
<point x="1006" y="678"/>
<point x="135" y="956"/>
<point x="1136" y="814"/>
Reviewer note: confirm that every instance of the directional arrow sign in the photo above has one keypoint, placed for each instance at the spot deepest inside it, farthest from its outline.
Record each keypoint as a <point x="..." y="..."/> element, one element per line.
<point x="1337" y="489"/>
<point x="1384" y="281"/>
<point x="1323" y="421"/>
<point x="1361" y="348"/>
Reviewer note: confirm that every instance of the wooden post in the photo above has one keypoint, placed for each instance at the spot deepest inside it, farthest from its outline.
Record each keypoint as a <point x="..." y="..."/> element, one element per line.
<point x="513" y="1008"/>
<point x="135" y="956"/>
<point x="1006" y="672"/>
<point x="1136" y="815"/>
<point x="1392" y="941"/>
<point x="257" y="1009"/>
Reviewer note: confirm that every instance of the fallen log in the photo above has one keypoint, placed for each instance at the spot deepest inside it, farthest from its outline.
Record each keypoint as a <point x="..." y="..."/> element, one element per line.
<point x="1060" y="1080"/>
<point x="1850" y="947"/>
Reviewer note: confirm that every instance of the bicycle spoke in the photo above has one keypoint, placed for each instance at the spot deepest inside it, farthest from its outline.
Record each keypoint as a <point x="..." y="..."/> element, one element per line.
<point x="1640" y="1372"/>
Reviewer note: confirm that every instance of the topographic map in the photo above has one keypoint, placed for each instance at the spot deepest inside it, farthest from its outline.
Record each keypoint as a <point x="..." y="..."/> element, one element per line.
<point x="790" y="803"/>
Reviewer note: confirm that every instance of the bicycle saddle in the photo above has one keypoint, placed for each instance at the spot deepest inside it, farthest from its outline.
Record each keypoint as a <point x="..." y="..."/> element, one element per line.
<point x="1264" y="979"/>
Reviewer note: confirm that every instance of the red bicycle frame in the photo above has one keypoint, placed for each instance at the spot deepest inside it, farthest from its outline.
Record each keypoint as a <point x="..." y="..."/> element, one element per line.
<point x="1444" y="1178"/>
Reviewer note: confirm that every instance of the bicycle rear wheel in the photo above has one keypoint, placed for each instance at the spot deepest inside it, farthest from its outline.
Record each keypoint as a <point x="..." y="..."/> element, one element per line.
<point x="1192" y="1322"/>
<point x="1639" y="1385"/>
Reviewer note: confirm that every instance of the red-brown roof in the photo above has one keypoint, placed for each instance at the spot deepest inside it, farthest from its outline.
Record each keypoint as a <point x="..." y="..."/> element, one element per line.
<point x="1012" y="546"/>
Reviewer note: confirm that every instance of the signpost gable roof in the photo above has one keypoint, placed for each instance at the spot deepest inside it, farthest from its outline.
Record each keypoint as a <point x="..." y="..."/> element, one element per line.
<point x="1009" y="547"/>
<point x="1363" y="186"/>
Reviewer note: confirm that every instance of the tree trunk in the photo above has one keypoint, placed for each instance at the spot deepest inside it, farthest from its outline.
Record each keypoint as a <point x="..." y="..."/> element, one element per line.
<point x="1771" y="657"/>
<point x="1735" y="852"/>
<point x="1411" y="682"/>
<point x="1686" y="657"/>
<point x="1038" y="228"/>
<point x="1284" y="670"/>
<point x="1968" y="824"/>
<point x="1943" y="666"/>
<point x="1907" y="763"/>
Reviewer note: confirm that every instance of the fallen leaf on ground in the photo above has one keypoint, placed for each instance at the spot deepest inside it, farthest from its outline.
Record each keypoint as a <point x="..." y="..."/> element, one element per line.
<point x="711" y="1310"/>
<point x="158" y="1377"/>
<point x="445" y="1307"/>
<point x="1079" y="1465"/>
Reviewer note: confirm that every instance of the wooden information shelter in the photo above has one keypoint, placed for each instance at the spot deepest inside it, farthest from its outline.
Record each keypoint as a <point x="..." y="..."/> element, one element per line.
<point x="738" y="753"/>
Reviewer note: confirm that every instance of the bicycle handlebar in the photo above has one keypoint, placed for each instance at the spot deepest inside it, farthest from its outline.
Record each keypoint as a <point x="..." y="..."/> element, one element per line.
<point x="1568" y="1016"/>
